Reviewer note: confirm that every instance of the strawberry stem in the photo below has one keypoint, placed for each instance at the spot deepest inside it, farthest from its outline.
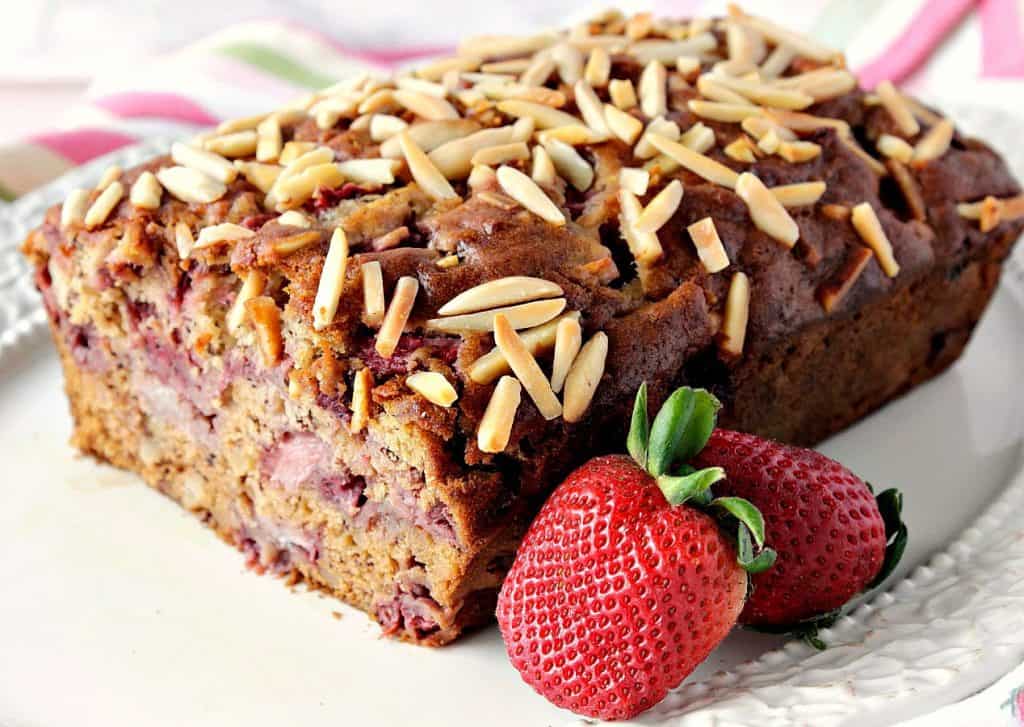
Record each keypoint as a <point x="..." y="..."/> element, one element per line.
<point x="682" y="488"/>
<point x="639" y="429"/>
<point x="890" y="506"/>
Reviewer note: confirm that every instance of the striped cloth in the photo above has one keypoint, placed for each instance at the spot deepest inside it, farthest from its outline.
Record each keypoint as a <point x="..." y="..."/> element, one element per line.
<point x="953" y="50"/>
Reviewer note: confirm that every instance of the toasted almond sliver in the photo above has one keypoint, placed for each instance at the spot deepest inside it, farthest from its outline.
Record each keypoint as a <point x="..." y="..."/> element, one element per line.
<point x="800" y="194"/>
<point x="568" y="339"/>
<point x="103" y="205"/>
<point x="252" y="286"/>
<point x="397" y="315"/>
<point x="261" y="176"/>
<point x="524" y="315"/>
<point x="510" y="290"/>
<point x="652" y="90"/>
<point x="526" y="192"/>
<point x="429" y="135"/>
<point x="876" y="166"/>
<point x="384" y="126"/>
<point x="574" y="135"/>
<point x="373" y="293"/>
<point x="769" y="143"/>
<point x="897" y="107"/>
<point x="737" y="306"/>
<point x="294" y="218"/>
<point x="454" y="159"/>
<point x="269" y="142"/>
<point x="538" y="70"/>
<point x="210" y="164"/>
<point x="725" y="112"/>
<point x="369" y="171"/>
<point x="448" y="261"/>
<point x="513" y="67"/>
<point x="709" y="245"/>
<point x="496" y="155"/>
<point x="835" y="289"/>
<point x="697" y="163"/>
<point x="424" y="171"/>
<point x="224" y="232"/>
<point x="110" y="175"/>
<point x="570" y="165"/>
<point x="496" y="424"/>
<point x="590" y="107"/>
<point x="838" y="212"/>
<point x="420" y="85"/>
<point x="666" y="51"/>
<point x="584" y="376"/>
<point x="244" y="123"/>
<point x="426" y="106"/>
<point x="800" y="122"/>
<point x="569" y="62"/>
<point x="486" y="47"/>
<point x="526" y="368"/>
<point x="433" y="387"/>
<point x="265" y="317"/>
<point x="644" y="246"/>
<point x="237" y="144"/>
<point x="777" y="61"/>
<point x="542" y="171"/>
<point x="183" y="240"/>
<point x="540" y="338"/>
<point x="895" y="148"/>
<point x="935" y="142"/>
<point x="191" y="185"/>
<point x="290" y="243"/>
<point x="767" y="95"/>
<point x="712" y="90"/>
<point x="332" y="280"/>
<point x="796" y="152"/>
<point x="146" y="191"/>
<point x="482" y="178"/>
<point x="298" y="188"/>
<point x="688" y="66"/>
<point x="543" y="116"/>
<point x="660" y="209"/>
<point x="759" y="127"/>
<point x="362" y="386"/>
<point x="635" y="180"/>
<point x="779" y="35"/>
<point x="435" y="70"/>
<point x="669" y="129"/>
<point x="742" y="149"/>
<point x="622" y="93"/>
<point x="766" y="211"/>
<point x="623" y="125"/>
<point x="294" y="150"/>
<point x="871" y="232"/>
<point x="822" y="84"/>
<point x="74" y="208"/>
<point x="698" y="138"/>
<point x="598" y="68"/>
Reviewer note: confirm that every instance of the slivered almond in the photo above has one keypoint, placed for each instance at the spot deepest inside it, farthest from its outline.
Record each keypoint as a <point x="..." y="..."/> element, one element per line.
<point x="838" y="212"/>
<point x="265" y="317"/>
<point x="543" y="116"/>
<point x="800" y="122"/>
<point x="110" y="174"/>
<point x="542" y="170"/>
<point x="526" y="192"/>
<point x="496" y="424"/>
<point x="482" y="178"/>
<point x="639" y="26"/>
<point x="290" y="243"/>
<point x="766" y="211"/>
<point x="426" y="106"/>
<point x="369" y="171"/>
<point x="777" y="61"/>
<point x="568" y="339"/>
<point x="534" y="94"/>
<point x="895" y="148"/>
<point x="622" y="93"/>
<point x="237" y="144"/>
<point x="644" y="246"/>
<point x="526" y="368"/>
<point x="210" y="164"/>
<point x="183" y="240"/>
<point x="240" y="124"/>
<point x="669" y="129"/>
<point x="584" y="376"/>
<point x="568" y="61"/>
<point x="384" y="126"/>
<point x="448" y="261"/>
<point x="429" y="135"/>
<point x="454" y="159"/>
<point x="590" y="107"/>
<point x="397" y="315"/>
<point x="190" y="185"/>
<point x="652" y="90"/>
<point x="742" y="149"/>
<point x="765" y="94"/>
<point x="146" y="191"/>
<point x="511" y="66"/>
<point x="373" y="293"/>
<point x="759" y="127"/>
<point x="329" y="111"/>
<point x="635" y="180"/>
<point x="224" y="232"/>
<point x="391" y="239"/>
<point x="524" y="315"/>
<point x="698" y="138"/>
<point x="725" y="112"/>
<point x="800" y="194"/>
<point x="570" y="165"/>
<point x="74" y="208"/>
<point x="666" y="51"/>
<point x="510" y="290"/>
<point x="934" y="143"/>
<point x="709" y="245"/>
<point x="496" y="155"/>
<point x="697" y="163"/>
<point x="598" y="68"/>
<point x="103" y="205"/>
<point x="572" y="135"/>
<point x="895" y="104"/>
<point x="660" y="209"/>
<point x="796" y="152"/>
<point x="779" y="35"/>
<point x="769" y="143"/>
<point x="294" y="150"/>
<point x="486" y="47"/>
<point x="435" y="70"/>
<point x="269" y="141"/>
<point x="540" y="338"/>
<point x="538" y="70"/>
<point x="423" y="170"/>
<point x="298" y="188"/>
<point x="433" y="387"/>
<point x="497" y="199"/>
<point x="623" y="125"/>
<point x="737" y="307"/>
<point x="834" y="290"/>
<point x="332" y="280"/>
<point x="380" y="100"/>
<point x="252" y="286"/>
<point x="261" y="176"/>
<point x="822" y="84"/>
<point x="688" y="66"/>
<point x="421" y="85"/>
<point x="362" y="386"/>
<point x="712" y="90"/>
<point x="294" y="218"/>
<point x="866" y="222"/>
<point x="850" y="143"/>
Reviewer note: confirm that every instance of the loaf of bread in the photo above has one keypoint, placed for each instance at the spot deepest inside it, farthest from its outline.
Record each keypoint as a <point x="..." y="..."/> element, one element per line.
<point x="364" y="336"/>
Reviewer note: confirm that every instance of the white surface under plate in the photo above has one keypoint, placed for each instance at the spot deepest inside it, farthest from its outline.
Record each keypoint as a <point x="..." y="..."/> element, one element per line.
<point x="119" y="608"/>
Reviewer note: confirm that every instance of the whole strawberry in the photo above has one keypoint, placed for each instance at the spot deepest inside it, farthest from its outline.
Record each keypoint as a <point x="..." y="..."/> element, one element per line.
<point x="619" y="590"/>
<point x="831" y="535"/>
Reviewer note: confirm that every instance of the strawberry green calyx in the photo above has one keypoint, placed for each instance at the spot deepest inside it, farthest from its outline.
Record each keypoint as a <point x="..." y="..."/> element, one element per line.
<point x="680" y="430"/>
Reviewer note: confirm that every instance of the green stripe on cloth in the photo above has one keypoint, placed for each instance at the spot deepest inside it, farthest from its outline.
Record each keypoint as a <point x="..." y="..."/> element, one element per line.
<point x="276" y="63"/>
<point x="7" y="195"/>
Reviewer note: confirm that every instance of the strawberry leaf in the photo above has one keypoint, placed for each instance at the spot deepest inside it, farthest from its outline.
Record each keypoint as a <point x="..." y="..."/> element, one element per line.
<point x="746" y="512"/>
<point x="681" y="428"/>
<point x="701" y="424"/>
<point x="683" y="488"/>
<point x="745" y="554"/>
<point x="890" y="505"/>
<point x="639" y="429"/>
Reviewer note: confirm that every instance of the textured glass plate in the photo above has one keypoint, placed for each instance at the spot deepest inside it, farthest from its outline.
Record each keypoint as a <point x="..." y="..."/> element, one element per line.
<point x="119" y="608"/>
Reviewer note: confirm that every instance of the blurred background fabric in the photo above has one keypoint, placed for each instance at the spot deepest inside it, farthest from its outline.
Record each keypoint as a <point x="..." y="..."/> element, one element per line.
<point x="79" y="78"/>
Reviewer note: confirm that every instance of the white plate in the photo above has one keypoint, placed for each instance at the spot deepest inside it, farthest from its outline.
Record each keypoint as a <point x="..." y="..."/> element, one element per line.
<point x="119" y="608"/>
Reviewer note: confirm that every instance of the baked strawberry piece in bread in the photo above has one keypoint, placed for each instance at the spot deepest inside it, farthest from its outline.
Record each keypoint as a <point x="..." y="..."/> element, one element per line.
<point x="363" y="336"/>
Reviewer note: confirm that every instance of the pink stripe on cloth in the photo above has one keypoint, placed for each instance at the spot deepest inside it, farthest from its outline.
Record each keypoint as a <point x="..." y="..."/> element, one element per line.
<point x="81" y="145"/>
<point x="376" y="56"/>
<point x="142" y="104"/>
<point x="237" y="76"/>
<point x="1002" y="33"/>
<point x="911" y="48"/>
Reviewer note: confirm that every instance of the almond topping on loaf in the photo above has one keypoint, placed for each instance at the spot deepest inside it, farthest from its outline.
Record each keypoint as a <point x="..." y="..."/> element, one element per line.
<point x="146" y="192"/>
<point x="734" y="323"/>
<point x="502" y="292"/>
<point x="397" y="315"/>
<point x="496" y="424"/>
<point x="332" y="280"/>
<point x="584" y="376"/>
<point x="766" y="211"/>
<point x="103" y="205"/>
<point x="568" y="339"/>
<point x="709" y="245"/>
<point x="526" y="368"/>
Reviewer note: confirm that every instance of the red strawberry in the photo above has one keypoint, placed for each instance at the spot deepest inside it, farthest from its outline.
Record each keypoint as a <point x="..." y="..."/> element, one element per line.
<point x="822" y="520"/>
<point x="618" y="590"/>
